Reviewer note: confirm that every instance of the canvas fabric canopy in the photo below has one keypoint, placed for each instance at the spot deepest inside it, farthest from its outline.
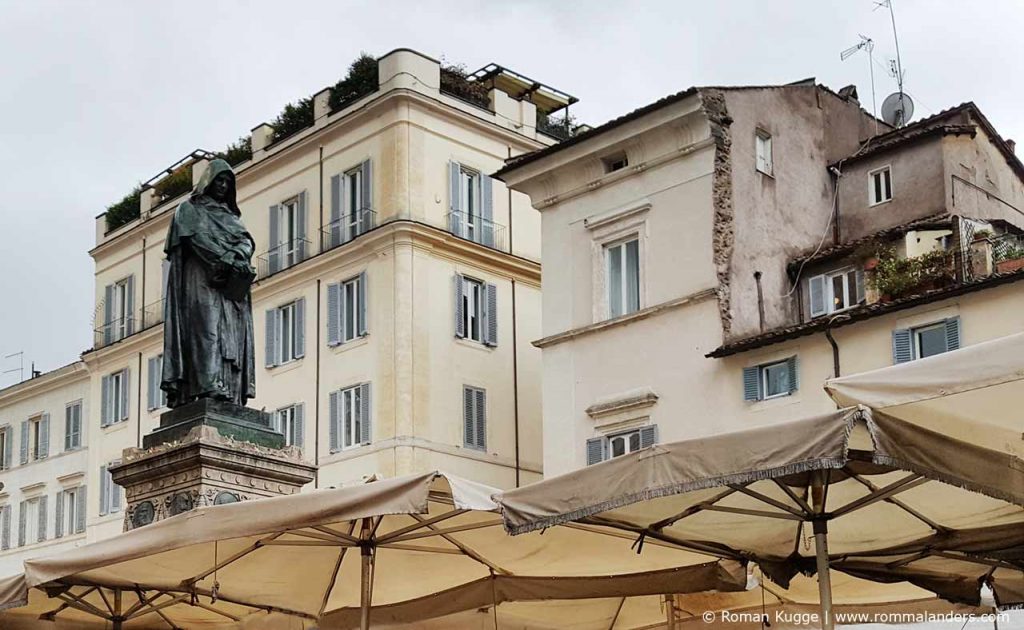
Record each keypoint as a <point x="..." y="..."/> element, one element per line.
<point x="431" y="544"/>
<point x="896" y="502"/>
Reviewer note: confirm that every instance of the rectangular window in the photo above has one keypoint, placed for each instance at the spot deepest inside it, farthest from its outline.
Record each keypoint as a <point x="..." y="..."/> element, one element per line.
<point x="6" y="444"/>
<point x="621" y="443"/>
<point x="114" y="400"/>
<point x="615" y="162"/>
<point x="70" y="517"/>
<point x="5" y="527"/>
<point x="353" y="204"/>
<point x="28" y="530"/>
<point x="350" y="417"/>
<point x="110" y="492"/>
<point x="476" y="310"/>
<point x="473" y="308"/>
<point x="155" y="397"/>
<point x="285" y="327"/>
<point x="469" y="193"/>
<point x="472" y="205"/>
<point x="346" y="310"/>
<point x="286" y="332"/>
<point x="764" y="152"/>
<point x="770" y="380"/>
<point x="474" y="417"/>
<point x="623" y="278"/>
<point x="835" y="291"/>
<point x="925" y="341"/>
<point x="73" y="426"/>
<point x="118" y="304"/>
<point x="288" y="226"/>
<point x="122" y="309"/>
<point x="288" y="420"/>
<point x="351" y="201"/>
<point x="38" y="437"/>
<point x="880" y="185"/>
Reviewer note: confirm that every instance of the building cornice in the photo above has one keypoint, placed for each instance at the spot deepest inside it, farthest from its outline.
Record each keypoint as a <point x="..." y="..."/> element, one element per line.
<point x="50" y="381"/>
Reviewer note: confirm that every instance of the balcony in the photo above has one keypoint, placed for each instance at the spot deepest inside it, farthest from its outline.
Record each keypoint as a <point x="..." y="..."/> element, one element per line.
<point x="346" y="228"/>
<point x="475" y="228"/>
<point x="123" y="327"/>
<point x="283" y="256"/>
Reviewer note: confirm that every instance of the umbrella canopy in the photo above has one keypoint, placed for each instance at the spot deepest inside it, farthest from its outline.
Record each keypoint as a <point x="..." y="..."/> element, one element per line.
<point x="416" y="547"/>
<point x="871" y="495"/>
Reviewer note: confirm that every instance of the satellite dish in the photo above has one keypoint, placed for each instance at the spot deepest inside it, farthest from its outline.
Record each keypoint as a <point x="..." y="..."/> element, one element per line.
<point x="897" y="109"/>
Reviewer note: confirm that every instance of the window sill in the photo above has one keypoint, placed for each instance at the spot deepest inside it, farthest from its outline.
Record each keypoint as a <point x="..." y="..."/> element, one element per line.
<point x="115" y="426"/>
<point x="349" y="345"/>
<point x="879" y="203"/>
<point x="775" y="401"/>
<point x="288" y="366"/>
<point x="478" y="345"/>
<point x="768" y="175"/>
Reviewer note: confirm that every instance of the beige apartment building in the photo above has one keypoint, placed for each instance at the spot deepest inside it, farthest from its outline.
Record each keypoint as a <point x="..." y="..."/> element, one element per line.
<point x="712" y="258"/>
<point x="398" y="291"/>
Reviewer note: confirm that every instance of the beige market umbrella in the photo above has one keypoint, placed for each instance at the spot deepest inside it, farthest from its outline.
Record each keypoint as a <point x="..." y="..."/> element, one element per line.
<point x="395" y="550"/>
<point x="865" y="494"/>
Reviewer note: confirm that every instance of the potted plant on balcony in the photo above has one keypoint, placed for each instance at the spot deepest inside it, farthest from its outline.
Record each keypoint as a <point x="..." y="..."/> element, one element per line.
<point x="1009" y="259"/>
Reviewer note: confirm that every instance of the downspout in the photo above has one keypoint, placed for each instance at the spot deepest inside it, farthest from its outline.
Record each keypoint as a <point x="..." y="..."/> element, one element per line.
<point x="510" y="228"/>
<point x="760" y="300"/>
<point x="320" y="226"/>
<point x="515" y="375"/>
<point x="142" y="322"/>
<point x="832" y="341"/>
<point x="836" y="231"/>
<point x="316" y="398"/>
<point x="138" y="425"/>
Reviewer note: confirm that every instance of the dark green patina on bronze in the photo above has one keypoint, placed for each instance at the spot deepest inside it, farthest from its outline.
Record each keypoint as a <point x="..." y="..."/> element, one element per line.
<point x="239" y="423"/>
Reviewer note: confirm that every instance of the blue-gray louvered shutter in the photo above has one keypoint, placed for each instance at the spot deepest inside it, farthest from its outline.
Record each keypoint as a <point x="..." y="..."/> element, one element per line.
<point x="153" y="382"/>
<point x="361" y="324"/>
<point x="24" y="441"/>
<point x="274" y="251"/>
<point x="335" y="419"/>
<point x="5" y="527"/>
<point x="115" y="491"/>
<point x="80" y="507"/>
<point x="490" y="332"/>
<point x="333" y="314"/>
<point x="793" y="373"/>
<point x="365" y="414"/>
<point x="460" y="308"/>
<point x="22" y="521"/>
<point x="480" y="416"/>
<point x="105" y="401"/>
<point x="487" y="210"/>
<point x="108" y="314"/>
<point x="597" y="450"/>
<point x="952" y="333"/>
<point x="41" y="534"/>
<point x="902" y="350"/>
<point x="165" y="273"/>
<point x="270" y="342"/>
<point x="454" y="199"/>
<point x="58" y="521"/>
<point x="366" y="200"/>
<point x="335" y="224"/>
<point x="104" y="490"/>
<point x="8" y="449"/>
<point x="860" y="286"/>
<point x="299" y="322"/>
<point x="300" y="226"/>
<point x="69" y="428"/>
<point x="125" y="392"/>
<point x="298" y="425"/>
<point x="648" y="435"/>
<point x="817" y="296"/>
<point x="44" y="437"/>
<point x="129" y="305"/>
<point x="468" y="426"/>
<point x="751" y="383"/>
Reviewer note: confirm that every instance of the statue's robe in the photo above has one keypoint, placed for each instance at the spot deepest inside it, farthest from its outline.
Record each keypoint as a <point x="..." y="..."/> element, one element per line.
<point x="208" y="331"/>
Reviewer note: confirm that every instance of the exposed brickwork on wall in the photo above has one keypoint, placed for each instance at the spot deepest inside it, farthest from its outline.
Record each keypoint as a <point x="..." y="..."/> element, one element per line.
<point x="713" y="103"/>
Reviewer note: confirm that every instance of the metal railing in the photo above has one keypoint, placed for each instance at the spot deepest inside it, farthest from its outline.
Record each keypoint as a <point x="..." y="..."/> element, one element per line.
<point x="347" y="227"/>
<point x="123" y="327"/>
<point x="285" y="255"/>
<point x="473" y="227"/>
<point x="1007" y="247"/>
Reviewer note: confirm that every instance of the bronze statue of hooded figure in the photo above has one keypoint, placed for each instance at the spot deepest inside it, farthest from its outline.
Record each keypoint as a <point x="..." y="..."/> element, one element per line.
<point x="208" y="333"/>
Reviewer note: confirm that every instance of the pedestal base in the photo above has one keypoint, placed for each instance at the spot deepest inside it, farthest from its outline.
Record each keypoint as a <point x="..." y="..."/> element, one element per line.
<point x="232" y="421"/>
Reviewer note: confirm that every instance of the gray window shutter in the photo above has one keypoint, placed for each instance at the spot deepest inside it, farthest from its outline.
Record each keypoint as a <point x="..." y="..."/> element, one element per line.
<point x="69" y="428"/>
<point x="491" y="315"/>
<point x="367" y="197"/>
<point x="125" y="393"/>
<point x="129" y="299"/>
<point x="5" y="527"/>
<point x="953" y="333"/>
<point x="165" y="273"/>
<point x="299" y="324"/>
<point x="335" y="419"/>
<point x="597" y="450"/>
<point x="751" y="383"/>
<point x="487" y="209"/>
<point x="271" y="343"/>
<point x="105" y="401"/>
<point x="648" y="435"/>
<point x="80" y="507"/>
<point x="58" y="524"/>
<point x="42" y="519"/>
<point x="104" y="490"/>
<point x="108" y="314"/>
<point x="860" y="286"/>
<point x="901" y="346"/>
<point x="44" y="436"/>
<point x="361" y="289"/>
<point x="298" y="424"/>
<point x="300" y="225"/>
<point x="274" y="251"/>
<point x="468" y="424"/>
<point x="791" y="369"/>
<point x="460" y="322"/>
<point x="115" y="491"/>
<point x="481" y="418"/>
<point x="817" y="295"/>
<point x="8" y="449"/>
<point x="22" y="521"/>
<point x="454" y="201"/>
<point x="335" y="224"/>
<point x="365" y="414"/>
<point x="24" y="441"/>
<point x="333" y="314"/>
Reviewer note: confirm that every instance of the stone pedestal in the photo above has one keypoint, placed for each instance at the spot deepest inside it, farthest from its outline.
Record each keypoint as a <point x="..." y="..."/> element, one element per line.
<point x="207" y="453"/>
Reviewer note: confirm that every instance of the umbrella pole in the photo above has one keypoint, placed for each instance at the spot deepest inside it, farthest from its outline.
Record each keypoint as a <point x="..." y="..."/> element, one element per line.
<point x="821" y="552"/>
<point x="366" y="593"/>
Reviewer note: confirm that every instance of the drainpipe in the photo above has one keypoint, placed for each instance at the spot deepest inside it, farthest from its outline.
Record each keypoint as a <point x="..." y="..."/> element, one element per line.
<point x="760" y="300"/>
<point x="510" y="218"/>
<point x="515" y="375"/>
<point x="836" y="232"/>
<point x="320" y="227"/>
<point x="141" y="323"/>
<point x="832" y="341"/>
<point x="316" y="397"/>
<point x="138" y="425"/>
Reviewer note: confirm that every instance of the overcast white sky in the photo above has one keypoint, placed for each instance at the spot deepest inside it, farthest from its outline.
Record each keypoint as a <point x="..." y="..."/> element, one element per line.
<point x="96" y="96"/>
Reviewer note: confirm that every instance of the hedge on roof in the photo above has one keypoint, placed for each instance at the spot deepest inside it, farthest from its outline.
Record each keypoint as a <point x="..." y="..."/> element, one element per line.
<point x="178" y="182"/>
<point x="360" y="80"/>
<point x="237" y="152"/>
<point x="125" y="210"/>
<point x="455" y="81"/>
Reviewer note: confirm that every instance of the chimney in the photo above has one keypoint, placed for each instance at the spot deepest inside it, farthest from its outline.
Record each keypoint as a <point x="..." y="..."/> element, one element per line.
<point x="1010" y="142"/>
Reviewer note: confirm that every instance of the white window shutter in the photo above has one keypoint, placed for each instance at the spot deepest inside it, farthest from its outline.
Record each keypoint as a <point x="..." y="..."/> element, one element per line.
<point x="648" y="435"/>
<point x="274" y="249"/>
<point x="105" y="401"/>
<point x="58" y="521"/>
<point x="365" y="414"/>
<point x="751" y="383"/>
<point x="22" y="522"/>
<point x="108" y="314"/>
<point x="44" y="436"/>
<point x="793" y="372"/>
<point x="460" y="306"/>
<point x="5" y="527"/>
<point x="129" y="300"/>
<point x="817" y="295"/>
<point x="335" y="419"/>
<point x="271" y="342"/>
<point x="334" y="312"/>
<point x="335" y="224"/>
<point x="104" y="490"/>
<point x="298" y="425"/>
<point x="902" y="350"/>
<point x="366" y="202"/>
<point x="487" y="209"/>
<point x="24" y="441"/>
<point x="125" y="393"/>
<point x="454" y="198"/>
<point x="8" y="448"/>
<point x="597" y="450"/>
<point x="953" y="333"/>
<point x="299" y="323"/>
<point x="491" y="315"/>
<point x="41" y="508"/>
<point x="300" y="226"/>
<point x="860" y="286"/>
<point x="80" y="507"/>
<point x="362" y="327"/>
<point x="69" y="427"/>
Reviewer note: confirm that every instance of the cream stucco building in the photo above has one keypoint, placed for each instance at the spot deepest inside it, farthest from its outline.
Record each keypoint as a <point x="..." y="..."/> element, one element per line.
<point x="712" y="258"/>
<point x="398" y="291"/>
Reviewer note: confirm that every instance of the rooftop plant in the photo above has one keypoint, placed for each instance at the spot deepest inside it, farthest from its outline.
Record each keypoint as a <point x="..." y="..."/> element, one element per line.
<point x="293" y="118"/>
<point x="896" y="276"/>
<point x="178" y="182"/>
<point x="125" y="210"/>
<point x="455" y="81"/>
<point x="237" y="152"/>
<point x="360" y="80"/>
<point x="560" y="127"/>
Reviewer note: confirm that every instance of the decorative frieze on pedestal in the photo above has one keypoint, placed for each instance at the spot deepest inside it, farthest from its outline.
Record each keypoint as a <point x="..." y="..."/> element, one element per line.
<point x="207" y="455"/>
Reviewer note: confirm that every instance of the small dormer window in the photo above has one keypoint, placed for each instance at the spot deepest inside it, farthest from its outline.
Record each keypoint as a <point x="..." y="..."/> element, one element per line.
<point x="835" y="291"/>
<point x="615" y="162"/>
<point x="880" y="185"/>
<point x="764" y="151"/>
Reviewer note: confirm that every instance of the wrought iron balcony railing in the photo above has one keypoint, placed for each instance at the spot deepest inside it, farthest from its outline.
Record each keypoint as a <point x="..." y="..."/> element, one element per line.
<point x="347" y="227"/>
<point x="285" y="255"/>
<point x="122" y="327"/>
<point x="473" y="227"/>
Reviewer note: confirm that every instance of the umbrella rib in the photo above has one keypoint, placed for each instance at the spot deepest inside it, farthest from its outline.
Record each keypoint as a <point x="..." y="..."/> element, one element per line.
<point x="175" y="599"/>
<point x="441" y="532"/>
<point x="267" y="607"/>
<point x="333" y="532"/>
<point x="690" y="545"/>
<point x="768" y="500"/>
<point x="906" y="483"/>
<point x="324" y="537"/>
<point x="799" y="500"/>
<point x="419" y="524"/>
<point x="305" y="543"/>
<point x="690" y="511"/>
<point x="906" y="508"/>
<point x="733" y="510"/>
<point x="142" y="602"/>
<point x="676" y="544"/>
<point x="337" y="567"/>
<point x="80" y="604"/>
<point x="215" y="611"/>
<point x="615" y="619"/>
<point x="223" y="563"/>
<point x="106" y="602"/>
<point x="402" y="547"/>
<point x="464" y="548"/>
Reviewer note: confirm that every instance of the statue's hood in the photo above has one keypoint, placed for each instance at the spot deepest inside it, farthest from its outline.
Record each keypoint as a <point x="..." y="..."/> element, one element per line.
<point x="213" y="169"/>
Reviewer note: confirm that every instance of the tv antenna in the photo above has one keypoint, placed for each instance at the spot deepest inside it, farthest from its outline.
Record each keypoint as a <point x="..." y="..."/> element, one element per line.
<point x="904" y="107"/>
<point x="21" y="365"/>
<point x="868" y="44"/>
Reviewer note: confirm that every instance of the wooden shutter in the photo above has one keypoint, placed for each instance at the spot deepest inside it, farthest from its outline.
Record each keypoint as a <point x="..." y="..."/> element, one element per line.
<point x="58" y="524"/>
<point x="460" y="322"/>
<point x="860" y="286"/>
<point x="105" y="401"/>
<point x="104" y="490"/>
<point x="69" y="429"/>
<point x="490" y="315"/>
<point x="152" y="384"/>
<point x="115" y="491"/>
<point x="108" y="314"/>
<point x="487" y="210"/>
<point x="8" y="448"/>
<point x="125" y="393"/>
<point x="300" y="225"/>
<point x="648" y="435"/>
<point x="902" y="348"/>
<point x="952" y="333"/>
<point x="299" y="326"/>
<point x="361" y="291"/>
<point x="274" y="251"/>
<point x="365" y="414"/>
<point x="44" y="437"/>
<point x="752" y="383"/>
<point x="480" y="409"/>
<point x="793" y="372"/>
<point x="366" y="200"/>
<point x="5" y="527"/>
<point x="334" y="312"/>
<point x="335" y="419"/>
<point x="129" y="305"/>
<point x="271" y="342"/>
<point x="817" y="296"/>
<point x="454" y="200"/>
<point x="22" y="521"/>
<point x="336" y="205"/>
<point x="80" y="507"/>
<point x="299" y="425"/>
<point x="41" y="509"/>
<point x="468" y="424"/>
<point x="24" y="441"/>
<point x="597" y="450"/>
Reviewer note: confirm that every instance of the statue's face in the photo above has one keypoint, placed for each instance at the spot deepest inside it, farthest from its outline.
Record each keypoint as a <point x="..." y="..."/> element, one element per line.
<point x="219" y="187"/>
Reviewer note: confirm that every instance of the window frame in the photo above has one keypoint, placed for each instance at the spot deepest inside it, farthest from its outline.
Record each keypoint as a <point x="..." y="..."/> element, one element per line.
<point x="872" y="191"/>
<point x="473" y="306"/>
<point x="849" y="299"/>
<point x="121" y="309"/>
<point x="352" y="213"/>
<point x="31" y="520"/>
<point x="627" y="437"/>
<point x="622" y="299"/>
<point x="350" y="417"/>
<point x="116" y="397"/>
<point x="615" y="162"/>
<point x="285" y="420"/>
<point x="286" y="333"/>
<point x="763" y="378"/>
<point x="74" y="444"/>
<point x="70" y="508"/>
<point x="915" y="339"/>
<point x="35" y="432"/>
<point x="5" y="436"/>
<point x="349" y="311"/>
<point x="470" y="202"/>
<point x="287" y="230"/>
<point x="763" y="143"/>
